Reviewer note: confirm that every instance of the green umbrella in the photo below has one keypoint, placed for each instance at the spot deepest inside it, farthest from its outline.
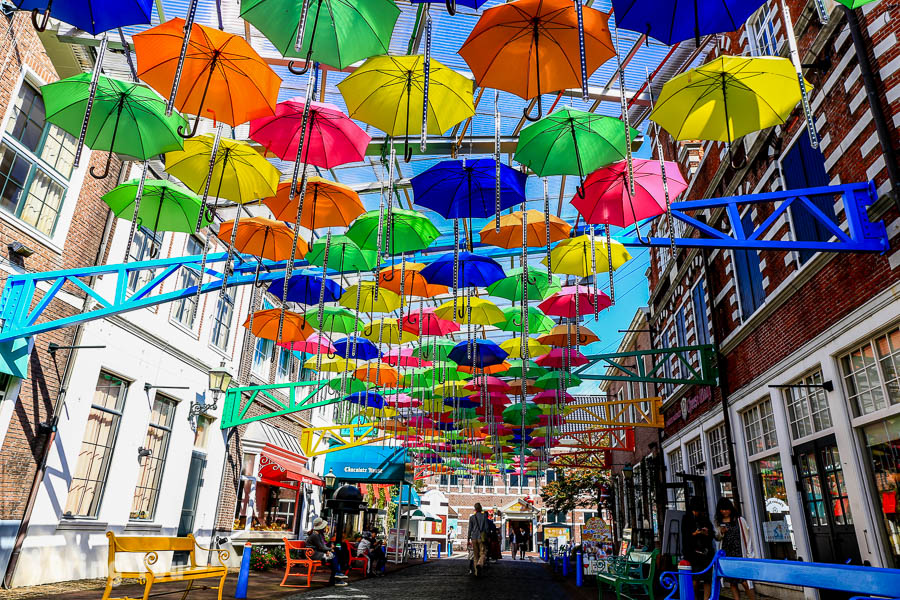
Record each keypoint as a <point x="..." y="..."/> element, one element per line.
<point x="337" y="33"/>
<point x="538" y="322"/>
<point x="164" y="206"/>
<point x="410" y="231"/>
<point x="510" y="287"/>
<point x="853" y="4"/>
<point x="343" y="255"/>
<point x="352" y="385"/>
<point x="432" y="377"/>
<point x="335" y="319"/>
<point x="512" y="414"/>
<point x="550" y="381"/>
<point x="531" y="368"/>
<point x="437" y="351"/>
<point x="572" y="142"/>
<point x="127" y="118"/>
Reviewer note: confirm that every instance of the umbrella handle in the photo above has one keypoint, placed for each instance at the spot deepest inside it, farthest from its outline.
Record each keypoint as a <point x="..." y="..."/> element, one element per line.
<point x="451" y="6"/>
<point x="527" y="115"/>
<point x="305" y="68"/>
<point x="210" y="213"/>
<point x="407" y="151"/>
<point x="331" y="355"/>
<point x="105" y="168"/>
<point x="43" y="24"/>
<point x="181" y="130"/>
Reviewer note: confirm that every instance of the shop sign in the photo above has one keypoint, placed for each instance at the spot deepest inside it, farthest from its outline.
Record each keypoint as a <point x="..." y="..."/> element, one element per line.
<point x="595" y="530"/>
<point x="776" y="506"/>
<point x="367" y="463"/>
<point x="776" y="531"/>
<point x="559" y="533"/>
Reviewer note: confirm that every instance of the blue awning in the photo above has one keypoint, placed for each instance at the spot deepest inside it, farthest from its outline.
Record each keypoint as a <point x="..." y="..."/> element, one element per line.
<point x="405" y="495"/>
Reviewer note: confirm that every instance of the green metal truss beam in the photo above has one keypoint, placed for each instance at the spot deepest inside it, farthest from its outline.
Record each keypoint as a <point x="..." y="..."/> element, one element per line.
<point x="300" y="396"/>
<point x="631" y="367"/>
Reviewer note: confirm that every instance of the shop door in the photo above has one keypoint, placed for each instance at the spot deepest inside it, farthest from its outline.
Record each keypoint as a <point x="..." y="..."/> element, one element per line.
<point x="189" y="503"/>
<point x="825" y="503"/>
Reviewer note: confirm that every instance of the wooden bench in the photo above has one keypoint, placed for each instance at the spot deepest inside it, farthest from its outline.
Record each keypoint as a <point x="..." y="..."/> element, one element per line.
<point x="151" y="547"/>
<point x="630" y="575"/>
<point x="305" y="561"/>
<point x="853" y="579"/>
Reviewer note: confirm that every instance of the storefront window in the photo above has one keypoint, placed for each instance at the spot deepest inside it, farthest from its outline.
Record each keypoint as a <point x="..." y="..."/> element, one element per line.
<point x="872" y="373"/>
<point x="807" y="406"/>
<point x="883" y="441"/>
<point x="275" y="504"/>
<point x="778" y="529"/>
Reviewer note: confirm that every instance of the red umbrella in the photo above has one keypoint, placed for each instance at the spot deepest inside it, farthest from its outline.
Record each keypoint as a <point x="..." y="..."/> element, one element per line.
<point x="332" y="138"/>
<point x="546" y="421"/>
<point x="496" y="398"/>
<point x="314" y="344"/>
<point x="431" y="324"/>
<point x="552" y="397"/>
<point x="562" y="357"/>
<point x="488" y="383"/>
<point x="563" y="302"/>
<point x="403" y="358"/>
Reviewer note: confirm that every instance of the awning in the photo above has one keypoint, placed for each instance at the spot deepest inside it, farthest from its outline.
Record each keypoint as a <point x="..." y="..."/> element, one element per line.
<point x="279" y="464"/>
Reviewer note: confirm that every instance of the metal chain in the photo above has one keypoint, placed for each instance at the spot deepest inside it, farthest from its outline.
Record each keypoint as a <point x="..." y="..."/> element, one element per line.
<point x="137" y="208"/>
<point x="497" y="161"/>
<point x="622" y="89"/>
<point x="426" y="70"/>
<point x="95" y="79"/>
<point x="188" y="26"/>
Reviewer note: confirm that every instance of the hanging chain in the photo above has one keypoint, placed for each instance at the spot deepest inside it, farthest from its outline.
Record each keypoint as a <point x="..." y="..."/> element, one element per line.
<point x="402" y="290"/>
<point x="624" y="103"/>
<point x="795" y="58"/>
<point x="609" y="265"/>
<point x="301" y="29"/>
<point x="379" y="234"/>
<point x="321" y="312"/>
<point x="426" y="70"/>
<point x="188" y="26"/>
<point x="455" y="263"/>
<point x="547" y="229"/>
<point x="213" y="157"/>
<point x="95" y="79"/>
<point x="137" y="208"/>
<point x="579" y="12"/>
<point x="497" y="161"/>
<point x="592" y="236"/>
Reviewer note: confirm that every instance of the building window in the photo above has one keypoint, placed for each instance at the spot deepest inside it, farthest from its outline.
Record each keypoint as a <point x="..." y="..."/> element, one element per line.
<point x="283" y="373"/>
<point x="184" y="310"/>
<point x="550" y="474"/>
<point x="759" y="427"/>
<point x="696" y="464"/>
<point x="804" y="167"/>
<point x="718" y="447"/>
<point x="872" y="373"/>
<point x="701" y="322"/>
<point x="146" y="245"/>
<point x="557" y="517"/>
<point x="486" y="481"/>
<point x="749" y="274"/>
<point x="761" y="31"/>
<point x="89" y="479"/>
<point x="883" y="442"/>
<point x="221" y="330"/>
<point x="150" y="474"/>
<point x="263" y="352"/>
<point x="807" y="406"/>
<point x="675" y="463"/>
<point x="778" y="530"/>
<point x="36" y="161"/>
<point x="514" y="480"/>
<point x="449" y="479"/>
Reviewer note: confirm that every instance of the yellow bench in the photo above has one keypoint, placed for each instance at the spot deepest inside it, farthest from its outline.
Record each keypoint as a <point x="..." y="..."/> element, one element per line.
<point x="151" y="547"/>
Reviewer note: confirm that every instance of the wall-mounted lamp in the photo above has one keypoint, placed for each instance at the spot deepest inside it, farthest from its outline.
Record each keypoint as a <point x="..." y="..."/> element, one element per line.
<point x="827" y="385"/>
<point x="144" y="452"/>
<point x="628" y="472"/>
<point x="20" y="249"/>
<point x="149" y="386"/>
<point x="52" y="347"/>
<point x="330" y="479"/>
<point x="220" y="379"/>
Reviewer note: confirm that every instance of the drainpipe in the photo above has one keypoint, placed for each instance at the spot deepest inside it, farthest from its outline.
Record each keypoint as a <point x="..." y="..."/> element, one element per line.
<point x="881" y="126"/>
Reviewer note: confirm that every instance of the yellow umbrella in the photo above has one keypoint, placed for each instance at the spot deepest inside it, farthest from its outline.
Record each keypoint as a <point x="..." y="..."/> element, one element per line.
<point x="572" y="256"/>
<point x="513" y="347"/>
<point x="435" y="405"/>
<point x="387" y="300"/>
<point x="452" y="389"/>
<point x="330" y="365"/>
<point x="483" y="312"/>
<point x="387" y="331"/>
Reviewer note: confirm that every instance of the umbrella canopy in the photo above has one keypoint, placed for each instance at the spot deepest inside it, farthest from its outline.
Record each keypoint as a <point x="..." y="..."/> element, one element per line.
<point x="539" y="37"/>
<point x="485" y="370"/>
<point x="387" y="331"/>
<point x="572" y="142"/>
<point x="345" y="384"/>
<point x="436" y="350"/>
<point x="605" y="197"/>
<point x="470" y="311"/>
<point x="332" y="138"/>
<point x="727" y="98"/>
<point x="412" y="283"/>
<point x="493" y="385"/>
<point x="572" y="256"/>
<point x="265" y="325"/>
<point x="93" y="16"/>
<point x="314" y="344"/>
<point x="402" y="357"/>
<point x="326" y="204"/>
<point x="306" y="288"/>
<point x="569" y="335"/>
<point x="514" y="347"/>
<point x="356" y="347"/>
<point x="240" y="173"/>
<point x="335" y="319"/>
<point x="553" y="379"/>
<point x="381" y="374"/>
<point x="372" y="299"/>
<point x="409" y="231"/>
<point x="512" y="414"/>
<point x="538" y="322"/>
<point x="366" y="398"/>
<point x="522" y="368"/>
<point x="559" y="358"/>
<point x="552" y="397"/>
<point x="510" y="234"/>
<point x="483" y="353"/>
<point x="343" y="255"/>
<point x="563" y="303"/>
<point x="261" y="237"/>
<point x="164" y="205"/>
<point x="222" y="76"/>
<point x="449" y="389"/>
<point x="330" y="364"/>
<point x="466" y="189"/>
<point x="679" y="21"/>
<point x="510" y="287"/>
<point x="474" y="270"/>
<point x="429" y="324"/>
<point x="337" y="33"/>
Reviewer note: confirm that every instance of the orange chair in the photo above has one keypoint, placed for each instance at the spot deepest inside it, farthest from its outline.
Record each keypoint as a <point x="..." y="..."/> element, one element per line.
<point x="358" y="563"/>
<point x="305" y="561"/>
<point x="316" y="564"/>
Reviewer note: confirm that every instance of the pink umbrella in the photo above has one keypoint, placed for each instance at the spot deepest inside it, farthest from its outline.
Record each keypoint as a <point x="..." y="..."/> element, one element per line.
<point x="562" y="303"/>
<point x="561" y="357"/>
<point x="608" y="200"/>
<point x="410" y="439"/>
<point x="403" y="401"/>
<point x="332" y="138"/>
<point x="491" y="384"/>
<point x="492" y="398"/>
<point x="546" y="421"/>
<point x="539" y="442"/>
<point x="551" y="397"/>
<point x="420" y="422"/>
<point x="314" y="344"/>
<point x="431" y="324"/>
<point x="404" y="358"/>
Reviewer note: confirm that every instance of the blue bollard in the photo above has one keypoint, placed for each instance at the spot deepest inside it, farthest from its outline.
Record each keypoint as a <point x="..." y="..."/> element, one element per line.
<point x="685" y="581"/>
<point x="565" y="563"/>
<point x="439" y="550"/>
<point x="450" y="548"/>
<point x="579" y="569"/>
<point x="244" y="576"/>
<point x="425" y="553"/>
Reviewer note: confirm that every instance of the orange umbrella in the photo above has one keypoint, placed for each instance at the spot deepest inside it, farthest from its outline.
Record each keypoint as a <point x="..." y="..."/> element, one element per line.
<point x="383" y="375"/>
<point x="539" y="37"/>
<point x="223" y="77"/>
<point x="516" y="387"/>
<point x="327" y="204"/>
<point x="563" y="336"/>
<point x="262" y="237"/>
<point x="413" y="282"/>
<point x="510" y="235"/>
<point x="490" y="370"/>
<point x="264" y="324"/>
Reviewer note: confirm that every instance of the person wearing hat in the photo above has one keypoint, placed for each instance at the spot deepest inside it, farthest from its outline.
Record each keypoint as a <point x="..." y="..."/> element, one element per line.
<point x="323" y="551"/>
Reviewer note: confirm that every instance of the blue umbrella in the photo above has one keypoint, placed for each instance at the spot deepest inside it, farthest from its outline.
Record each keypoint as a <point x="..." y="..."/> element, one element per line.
<point x="467" y="190"/>
<point x="474" y="270"/>
<point x="93" y="16"/>
<point x="462" y="402"/>
<point x="367" y="398"/>
<point x="672" y="22"/>
<point x="484" y="354"/>
<point x="452" y="4"/>
<point x="305" y="288"/>
<point x="365" y="350"/>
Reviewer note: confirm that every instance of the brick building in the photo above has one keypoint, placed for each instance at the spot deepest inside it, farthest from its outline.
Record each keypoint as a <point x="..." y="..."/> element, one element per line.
<point x="808" y="341"/>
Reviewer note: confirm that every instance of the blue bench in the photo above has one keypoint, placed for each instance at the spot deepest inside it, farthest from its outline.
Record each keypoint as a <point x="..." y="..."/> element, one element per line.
<point x="866" y="581"/>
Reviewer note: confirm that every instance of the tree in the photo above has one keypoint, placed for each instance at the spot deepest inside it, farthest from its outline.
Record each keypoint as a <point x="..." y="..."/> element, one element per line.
<point x="574" y="488"/>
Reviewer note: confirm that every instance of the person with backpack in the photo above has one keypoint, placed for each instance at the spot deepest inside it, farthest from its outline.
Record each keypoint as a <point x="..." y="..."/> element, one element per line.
<point x="477" y="539"/>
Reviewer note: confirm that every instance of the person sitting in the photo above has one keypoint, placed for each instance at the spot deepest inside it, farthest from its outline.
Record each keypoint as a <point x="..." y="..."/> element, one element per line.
<point x="324" y="551"/>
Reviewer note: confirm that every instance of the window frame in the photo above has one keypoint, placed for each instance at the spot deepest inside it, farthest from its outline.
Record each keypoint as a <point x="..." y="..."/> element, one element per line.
<point x="157" y="486"/>
<point x="694" y="450"/>
<point x="881" y="385"/>
<point x="717" y="441"/>
<point x="799" y="398"/>
<point x="698" y="292"/>
<point x="753" y="450"/>
<point x="187" y="277"/>
<point x="229" y="299"/>
<point x="766" y="15"/>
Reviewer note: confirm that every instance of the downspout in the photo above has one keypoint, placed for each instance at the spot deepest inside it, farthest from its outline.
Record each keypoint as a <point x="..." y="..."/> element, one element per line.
<point x="57" y="407"/>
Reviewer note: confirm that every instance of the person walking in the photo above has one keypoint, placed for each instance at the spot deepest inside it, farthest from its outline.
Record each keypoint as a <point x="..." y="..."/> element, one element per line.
<point x="522" y="541"/>
<point x="477" y="539"/>
<point x="734" y="535"/>
<point x="697" y="542"/>
<point x="324" y="551"/>
<point x="512" y="541"/>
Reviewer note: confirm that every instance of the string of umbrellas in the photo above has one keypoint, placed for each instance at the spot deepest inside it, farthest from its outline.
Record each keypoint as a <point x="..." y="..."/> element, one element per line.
<point x="406" y="336"/>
